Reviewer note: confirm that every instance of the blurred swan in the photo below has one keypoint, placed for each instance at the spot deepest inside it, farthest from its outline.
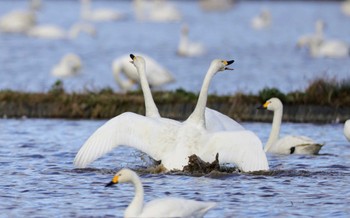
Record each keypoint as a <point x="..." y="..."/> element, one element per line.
<point x="35" y="4"/>
<point x="307" y="40"/>
<point x="104" y="14"/>
<point x="69" y="65"/>
<point x="56" y="32"/>
<point x="188" y="48"/>
<point x="161" y="207"/>
<point x="288" y="144"/>
<point x="156" y="10"/>
<point x="347" y="130"/>
<point x="263" y="20"/>
<point x="17" y="21"/>
<point x="345" y="7"/>
<point x="329" y="48"/>
<point x="157" y="75"/>
<point x="173" y="142"/>
<point x="216" y="5"/>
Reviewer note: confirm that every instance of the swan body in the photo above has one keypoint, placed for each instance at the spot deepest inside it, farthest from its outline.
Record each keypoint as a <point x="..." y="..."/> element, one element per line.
<point x="156" y="11"/>
<point x="55" y="32"/>
<point x="157" y="75"/>
<point x="69" y="65"/>
<point x="98" y="14"/>
<point x="17" y="21"/>
<point x="330" y="49"/>
<point x="186" y="47"/>
<point x="263" y="20"/>
<point x="347" y="130"/>
<point x="172" y="141"/>
<point x="345" y="7"/>
<point x="288" y="144"/>
<point x="216" y="5"/>
<point x="307" y="40"/>
<point x="162" y="207"/>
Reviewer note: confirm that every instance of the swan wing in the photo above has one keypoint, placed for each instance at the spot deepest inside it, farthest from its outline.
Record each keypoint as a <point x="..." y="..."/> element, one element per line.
<point x="292" y="144"/>
<point x="145" y="134"/>
<point x="347" y="128"/>
<point x="242" y="148"/>
<point x="176" y="207"/>
<point x="216" y="121"/>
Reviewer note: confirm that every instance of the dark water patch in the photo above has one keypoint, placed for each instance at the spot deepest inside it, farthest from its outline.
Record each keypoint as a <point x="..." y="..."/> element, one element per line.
<point x="34" y="156"/>
<point x="28" y="145"/>
<point x="92" y="171"/>
<point x="269" y="195"/>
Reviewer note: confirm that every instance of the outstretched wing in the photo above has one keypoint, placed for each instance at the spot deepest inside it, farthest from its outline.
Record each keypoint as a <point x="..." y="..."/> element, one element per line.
<point x="216" y="121"/>
<point x="242" y="148"/>
<point x="129" y="129"/>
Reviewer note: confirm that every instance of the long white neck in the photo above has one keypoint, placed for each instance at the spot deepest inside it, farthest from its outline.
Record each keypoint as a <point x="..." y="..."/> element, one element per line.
<point x="123" y="84"/>
<point x="198" y="115"/>
<point x="151" y="108"/>
<point x="275" y="130"/>
<point x="85" y="9"/>
<point x="135" y="207"/>
<point x="183" y="44"/>
<point x="319" y="30"/>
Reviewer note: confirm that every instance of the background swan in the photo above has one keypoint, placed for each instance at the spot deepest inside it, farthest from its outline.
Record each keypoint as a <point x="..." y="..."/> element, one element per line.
<point x="307" y="40"/>
<point x="161" y="207"/>
<point x="157" y="75"/>
<point x="69" y="65"/>
<point x="330" y="49"/>
<point x="17" y="21"/>
<point x="345" y="7"/>
<point x="56" y="32"/>
<point x="263" y="20"/>
<point x="156" y="11"/>
<point x="347" y="130"/>
<point x="173" y="142"/>
<point x="103" y="14"/>
<point x="186" y="47"/>
<point x="288" y="144"/>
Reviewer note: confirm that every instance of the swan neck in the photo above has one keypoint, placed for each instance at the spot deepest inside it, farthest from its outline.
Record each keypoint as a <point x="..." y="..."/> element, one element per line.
<point x="136" y="205"/>
<point x="275" y="130"/>
<point x="151" y="108"/>
<point x="123" y="84"/>
<point x="198" y="115"/>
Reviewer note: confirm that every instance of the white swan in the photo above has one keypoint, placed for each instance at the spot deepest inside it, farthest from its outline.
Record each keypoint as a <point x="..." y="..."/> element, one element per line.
<point x="288" y="144"/>
<point x="69" y="65"/>
<point x="186" y="47"/>
<point x="347" y="130"/>
<point x="161" y="207"/>
<point x="345" y="7"/>
<point x="330" y="49"/>
<point x="56" y="32"/>
<point x="104" y="14"/>
<point x="157" y="75"/>
<point x="17" y="21"/>
<point x="263" y="20"/>
<point x="216" y="5"/>
<point x="173" y="142"/>
<point x="307" y="40"/>
<point x="156" y="11"/>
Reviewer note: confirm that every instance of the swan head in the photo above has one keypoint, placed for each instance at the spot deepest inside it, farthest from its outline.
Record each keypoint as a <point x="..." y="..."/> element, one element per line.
<point x="137" y="61"/>
<point x="273" y="104"/>
<point x="221" y="65"/>
<point x="123" y="176"/>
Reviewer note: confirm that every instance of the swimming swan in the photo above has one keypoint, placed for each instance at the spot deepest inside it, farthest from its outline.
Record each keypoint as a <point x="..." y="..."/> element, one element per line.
<point x="156" y="11"/>
<point x="98" y="14"/>
<point x="263" y="20"/>
<point x="329" y="48"/>
<point x="345" y="7"/>
<point x="288" y="144"/>
<point x="69" y="65"/>
<point x="55" y="32"/>
<point x="157" y="75"/>
<point x="169" y="141"/>
<point x="187" y="48"/>
<point x="161" y="207"/>
<point x="305" y="41"/>
<point x="17" y="21"/>
<point x="347" y="130"/>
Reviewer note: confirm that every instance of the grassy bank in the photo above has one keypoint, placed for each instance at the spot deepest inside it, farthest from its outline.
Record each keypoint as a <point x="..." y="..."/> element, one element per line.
<point x="324" y="101"/>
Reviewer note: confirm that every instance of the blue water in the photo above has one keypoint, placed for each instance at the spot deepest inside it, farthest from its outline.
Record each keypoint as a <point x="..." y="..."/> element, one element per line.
<point x="38" y="178"/>
<point x="266" y="58"/>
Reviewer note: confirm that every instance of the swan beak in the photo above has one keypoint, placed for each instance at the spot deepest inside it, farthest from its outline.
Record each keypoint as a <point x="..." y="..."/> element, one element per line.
<point x="132" y="58"/>
<point x="264" y="106"/>
<point x="113" y="182"/>
<point x="228" y="63"/>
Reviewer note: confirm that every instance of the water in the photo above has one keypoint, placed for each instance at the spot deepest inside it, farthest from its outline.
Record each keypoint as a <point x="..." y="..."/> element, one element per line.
<point x="39" y="180"/>
<point x="265" y="58"/>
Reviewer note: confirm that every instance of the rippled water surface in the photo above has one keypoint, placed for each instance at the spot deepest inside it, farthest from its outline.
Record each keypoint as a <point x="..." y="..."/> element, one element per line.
<point x="39" y="180"/>
<point x="263" y="58"/>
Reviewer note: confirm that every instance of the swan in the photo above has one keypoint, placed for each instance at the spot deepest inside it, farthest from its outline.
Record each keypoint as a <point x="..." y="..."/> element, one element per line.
<point x="161" y="207"/>
<point x="156" y="11"/>
<point x="69" y="65"/>
<point x="345" y="7"/>
<point x="98" y="14"/>
<point x="216" y="5"/>
<point x="173" y="142"/>
<point x="157" y="75"/>
<point x="186" y="47"/>
<point x="55" y="32"/>
<point x="347" y="130"/>
<point x="17" y="21"/>
<point x="329" y="48"/>
<point x="35" y="4"/>
<point x="307" y="40"/>
<point x="263" y="20"/>
<point x="288" y="144"/>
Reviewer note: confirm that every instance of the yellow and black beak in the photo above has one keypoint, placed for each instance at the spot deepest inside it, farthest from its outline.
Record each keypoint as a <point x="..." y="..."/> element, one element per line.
<point x="264" y="106"/>
<point x="113" y="182"/>
<point x="132" y="58"/>
<point x="228" y="63"/>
